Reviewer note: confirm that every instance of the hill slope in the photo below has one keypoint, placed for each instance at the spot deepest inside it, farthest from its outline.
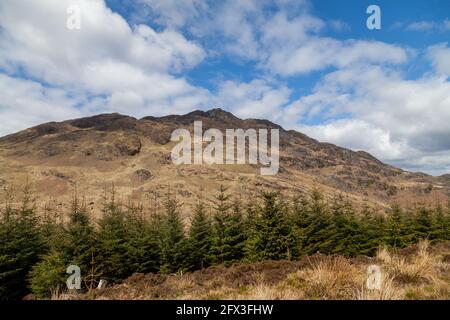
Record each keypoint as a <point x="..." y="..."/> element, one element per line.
<point x="134" y="155"/>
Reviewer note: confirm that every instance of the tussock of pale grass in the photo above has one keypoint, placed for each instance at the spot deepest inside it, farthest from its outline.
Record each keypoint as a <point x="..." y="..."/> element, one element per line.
<point x="384" y="255"/>
<point x="421" y="267"/>
<point x="387" y="291"/>
<point x="332" y="278"/>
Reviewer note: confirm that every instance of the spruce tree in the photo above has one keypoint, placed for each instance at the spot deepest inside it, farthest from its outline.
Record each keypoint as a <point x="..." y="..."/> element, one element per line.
<point x="173" y="243"/>
<point x="48" y="276"/>
<point x="228" y="230"/>
<point x="318" y="226"/>
<point x="21" y="246"/>
<point x="72" y="244"/>
<point x="200" y="238"/>
<point x="346" y="230"/>
<point x="372" y="231"/>
<point x="298" y="219"/>
<point x="273" y="239"/>
<point x="79" y="237"/>
<point x="422" y="223"/>
<point x="112" y="242"/>
<point x="398" y="232"/>
<point x="143" y="241"/>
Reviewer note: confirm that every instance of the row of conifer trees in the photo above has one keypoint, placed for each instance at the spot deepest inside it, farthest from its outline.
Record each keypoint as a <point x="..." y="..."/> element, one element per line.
<point x="36" y="248"/>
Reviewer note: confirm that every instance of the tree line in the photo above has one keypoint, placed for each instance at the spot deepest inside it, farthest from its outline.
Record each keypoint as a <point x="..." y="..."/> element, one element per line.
<point x="37" y="248"/>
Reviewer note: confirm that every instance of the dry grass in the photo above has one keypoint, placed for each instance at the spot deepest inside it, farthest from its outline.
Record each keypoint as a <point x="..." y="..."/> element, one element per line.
<point x="387" y="291"/>
<point x="422" y="272"/>
<point x="332" y="278"/>
<point x="421" y="267"/>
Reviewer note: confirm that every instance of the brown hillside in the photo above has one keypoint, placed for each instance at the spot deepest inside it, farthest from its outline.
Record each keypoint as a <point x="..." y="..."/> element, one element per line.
<point x="134" y="155"/>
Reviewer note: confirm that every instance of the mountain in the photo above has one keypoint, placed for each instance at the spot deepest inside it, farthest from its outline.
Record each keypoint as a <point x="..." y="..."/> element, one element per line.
<point x="134" y="155"/>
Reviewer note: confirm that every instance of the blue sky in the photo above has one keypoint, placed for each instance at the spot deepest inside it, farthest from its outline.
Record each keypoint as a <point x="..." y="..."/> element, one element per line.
<point x="308" y="65"/>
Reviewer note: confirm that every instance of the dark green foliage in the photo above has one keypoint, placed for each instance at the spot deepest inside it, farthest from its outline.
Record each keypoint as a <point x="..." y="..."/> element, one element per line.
<point x="272" y="239"/>
<point x="228" y="230"/>
<point x="441" y="224"/>
<point x="372" y="231"/>
<point x="21" y="244"/>
<point x="173" y="243"/>
<point x="48" y="275"/>
<point x="71" y="244"/>
<point x="143" y="244"/>
<point x="398" y="231"/>
<point x="77" y="245"/>
<point x="423" y="223"/>
<point x="200" y="238"/>
<point x="112" y="242"/>
<point x="318" y="226"/>
<point x="35" y="253"/>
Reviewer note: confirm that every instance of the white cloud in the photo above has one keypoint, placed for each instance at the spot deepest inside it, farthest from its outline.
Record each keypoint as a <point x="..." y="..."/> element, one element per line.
<point x="173" y="13"/>
<point x="36" y="38"/>
<point x="26" y="103"/>
<point x="282" y="37"/>
<point x="320" y="53"/>
<point x="428" y="25"/>
<point x="129" y="69"/>
<point x="256" y="99"/>
<point x="374" y="109"/>
<point x="339" y="25"/>
<point x="421" y="26"/>
<point x="440" y="58"/>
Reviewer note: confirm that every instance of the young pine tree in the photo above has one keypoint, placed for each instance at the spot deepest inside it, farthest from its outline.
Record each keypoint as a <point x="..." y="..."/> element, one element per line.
<point x="273" y="239"/>
<point x="143" y="241"/>
<point x="318" y="226"/>
<point x="200" y="238"/>
<point x="422" y="224"/>
<point x="441" y="224"/>
<point x="173" y="242"/>
<point x="21" y="246"/>
<point x="74" y="245"/>
<point x="398" y="233"/>
<point x="228" y="230"/>
<point x="112" y="244"/>
<point x="347" y="232"/>
<point x="373" y="229"/>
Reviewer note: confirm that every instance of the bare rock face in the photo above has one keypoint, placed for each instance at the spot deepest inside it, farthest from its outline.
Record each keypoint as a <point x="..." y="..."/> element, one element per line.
<point x="144" y="174"/>
<point x="105" y="122"/>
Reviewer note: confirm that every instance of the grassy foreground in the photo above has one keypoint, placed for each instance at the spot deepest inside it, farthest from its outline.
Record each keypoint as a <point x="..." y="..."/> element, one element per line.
<point x="418" y="272"/>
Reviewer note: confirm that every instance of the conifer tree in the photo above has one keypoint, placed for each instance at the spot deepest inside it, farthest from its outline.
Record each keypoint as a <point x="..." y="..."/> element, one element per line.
<point x="48" y="276"/>
<point x="372" y="230"/>
<point x="317" y="231"/>
<point x="272" y="240"/>
<point x="346" y="231"/>
<point x="21" y="245"/>
<point x="112" y="241"/>
<point x="73" y="245"/>
<point x="228" y="230"/>
<point x="298" y="219"/>
<point x="398" y="233"/>
<point x="143" y="243"/>
<point x="442" y="223"/>
<point x="422" y="223"/>
<point x="50" y="225"/>
<point x="79" y="237"/>
<point x="173" y="243"/>
<point x="200" y="238"/>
